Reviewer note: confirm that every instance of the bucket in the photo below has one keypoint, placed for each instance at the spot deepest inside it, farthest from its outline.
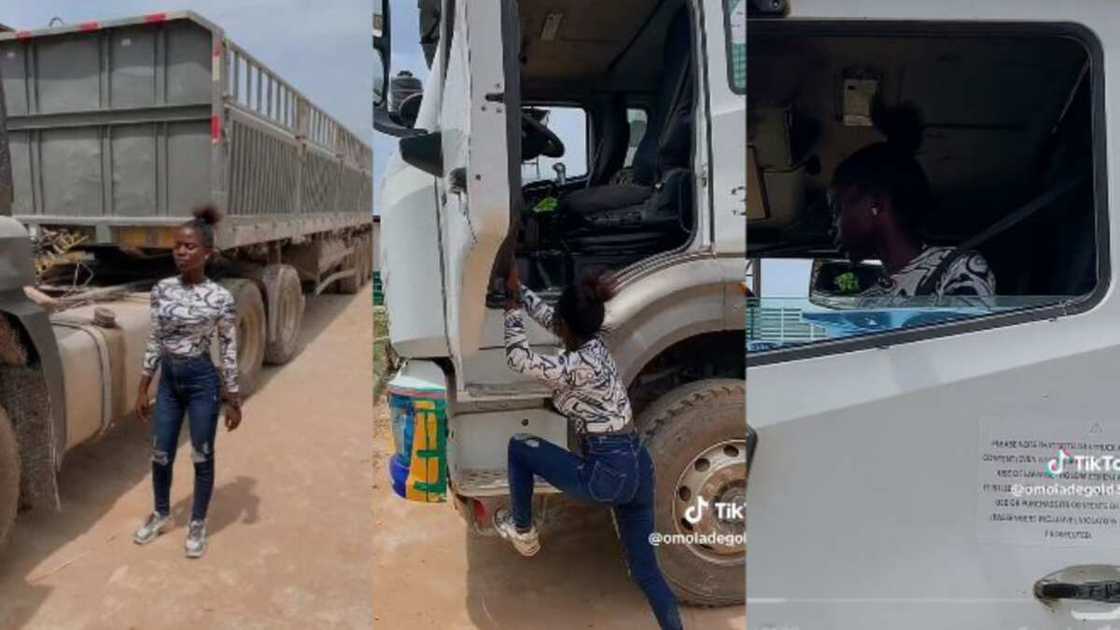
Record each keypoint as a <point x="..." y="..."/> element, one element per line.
<point x="418" y="467"/>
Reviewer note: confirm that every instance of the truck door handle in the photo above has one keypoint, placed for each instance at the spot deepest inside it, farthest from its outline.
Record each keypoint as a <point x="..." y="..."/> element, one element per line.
<point x="1098" y="583"/>
<point x="1094" y="591"/>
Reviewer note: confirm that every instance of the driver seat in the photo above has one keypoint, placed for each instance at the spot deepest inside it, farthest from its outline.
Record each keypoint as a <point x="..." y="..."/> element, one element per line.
<point x="645" y="214"/>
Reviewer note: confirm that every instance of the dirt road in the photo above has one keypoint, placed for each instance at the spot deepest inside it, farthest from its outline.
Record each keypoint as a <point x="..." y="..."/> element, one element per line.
<point x="289" y="524"/>
<point x="429" y="573"/>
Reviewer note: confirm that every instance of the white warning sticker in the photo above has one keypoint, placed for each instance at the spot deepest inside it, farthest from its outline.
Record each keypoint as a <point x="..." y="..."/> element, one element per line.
<point x="1047" y="482"/>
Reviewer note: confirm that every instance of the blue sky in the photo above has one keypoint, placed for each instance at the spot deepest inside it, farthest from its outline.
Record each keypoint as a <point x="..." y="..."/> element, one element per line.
<point x="785" y="278"/>
<point x="321" y="48"/>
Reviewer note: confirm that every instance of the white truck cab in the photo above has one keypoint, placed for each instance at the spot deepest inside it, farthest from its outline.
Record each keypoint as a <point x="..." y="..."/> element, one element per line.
<point x="580" y="137"/>
<point x="936" y="463"/>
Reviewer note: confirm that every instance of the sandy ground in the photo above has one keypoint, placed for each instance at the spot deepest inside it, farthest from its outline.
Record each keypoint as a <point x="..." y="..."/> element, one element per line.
<point x="289" y="525"/>
<point x="430" y="573"/>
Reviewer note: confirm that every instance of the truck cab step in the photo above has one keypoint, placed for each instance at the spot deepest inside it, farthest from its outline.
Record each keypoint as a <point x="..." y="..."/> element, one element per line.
<point x="484" y="482"/>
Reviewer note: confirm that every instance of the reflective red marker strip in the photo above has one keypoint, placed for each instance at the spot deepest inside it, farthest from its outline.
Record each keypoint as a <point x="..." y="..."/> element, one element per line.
<point x="88" y="26"/>
<point x="153" y="18"/>
<point x="215" y="129"/>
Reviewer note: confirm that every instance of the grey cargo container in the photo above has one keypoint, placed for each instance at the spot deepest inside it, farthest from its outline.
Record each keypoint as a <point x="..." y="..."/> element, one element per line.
<point x="120" y="128"/>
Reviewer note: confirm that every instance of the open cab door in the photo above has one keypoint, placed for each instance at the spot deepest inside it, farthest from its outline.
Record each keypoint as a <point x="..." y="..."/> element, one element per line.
<point x="481" y="146"/>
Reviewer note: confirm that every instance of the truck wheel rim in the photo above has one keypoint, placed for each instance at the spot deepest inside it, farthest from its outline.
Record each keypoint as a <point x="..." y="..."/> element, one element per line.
<point x="717" y="474"/>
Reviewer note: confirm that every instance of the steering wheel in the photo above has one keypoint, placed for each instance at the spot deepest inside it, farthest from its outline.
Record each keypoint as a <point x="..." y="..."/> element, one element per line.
<point x="536" y="139"/>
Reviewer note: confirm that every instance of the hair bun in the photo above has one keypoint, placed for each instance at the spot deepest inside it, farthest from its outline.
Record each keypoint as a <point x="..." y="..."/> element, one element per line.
<point x="208" y="214"/>
<point x="598" y="288"/>
<point x="902" y="125"/>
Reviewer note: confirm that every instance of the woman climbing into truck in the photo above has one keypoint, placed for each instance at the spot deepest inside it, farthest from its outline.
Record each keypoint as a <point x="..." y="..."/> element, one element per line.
<point x="879" y="198"/>
<point x="187" y="310"/>
<point x="615" y="469"/>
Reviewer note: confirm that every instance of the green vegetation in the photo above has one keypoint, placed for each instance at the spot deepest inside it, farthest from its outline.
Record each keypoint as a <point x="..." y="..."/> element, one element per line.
<point x="384" y="359"/>
<point x="847" y="283"/>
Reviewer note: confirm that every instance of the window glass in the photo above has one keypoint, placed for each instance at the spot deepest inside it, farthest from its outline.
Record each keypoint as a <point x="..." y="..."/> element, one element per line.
<point x="984" y="206"/>
<point x="570" y="125"/>
<point x="736" y="23"/>
<point x="638" y="120"/>
<point x="801" y="304"/>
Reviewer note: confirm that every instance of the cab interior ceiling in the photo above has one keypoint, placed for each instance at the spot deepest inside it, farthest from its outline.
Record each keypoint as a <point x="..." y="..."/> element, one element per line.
<point x="990" y="104"/>
<point x="595" y="46"/>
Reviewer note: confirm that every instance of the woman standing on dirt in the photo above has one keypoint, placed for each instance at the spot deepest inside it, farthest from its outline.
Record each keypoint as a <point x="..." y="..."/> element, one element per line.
<point x="616" y="469"/>
<point x="186" y="311"/>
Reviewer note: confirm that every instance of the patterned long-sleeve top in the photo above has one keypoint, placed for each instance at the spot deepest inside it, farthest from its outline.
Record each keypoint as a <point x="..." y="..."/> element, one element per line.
<point x="185" y="317"/>
<point x="586" y="384"/>
<point x="968" y="275"/>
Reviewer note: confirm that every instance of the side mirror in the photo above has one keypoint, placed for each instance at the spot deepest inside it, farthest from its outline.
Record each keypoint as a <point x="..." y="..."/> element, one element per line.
<point x="382" y="45"/>
<point x="388" y="124"/>
<point x="424" y="151"/>
<point x="406" y="92"/>
<point x="397" y="114"/>
<point x="841" y="279"/>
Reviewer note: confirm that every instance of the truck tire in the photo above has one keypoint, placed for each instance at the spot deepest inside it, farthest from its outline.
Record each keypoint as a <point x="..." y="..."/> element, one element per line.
<point x="360" y="260"/>
<point x="367" y="251"/>
<point x="251" y="331"/>
<point x="696" y="435"/>
<point x="286" y="298"/>
<point x="9" y="477"/>
<point x="353" y="283"/>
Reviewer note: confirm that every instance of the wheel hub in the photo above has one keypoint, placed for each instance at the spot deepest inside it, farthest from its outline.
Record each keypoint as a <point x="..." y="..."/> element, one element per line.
<point x="710" y="500"/>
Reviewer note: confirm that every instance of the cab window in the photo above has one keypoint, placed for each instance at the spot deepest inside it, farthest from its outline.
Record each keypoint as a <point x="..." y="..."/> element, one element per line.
<point x="570" y="126"/>
<point x="920" y="185"/>
<point x="735" y="22"/>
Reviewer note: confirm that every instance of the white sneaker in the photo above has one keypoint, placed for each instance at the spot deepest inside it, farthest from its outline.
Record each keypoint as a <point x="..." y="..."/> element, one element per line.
<point x="196" y="539"/>
<point x="151" y="528"/>
<point x="526" y="543"/>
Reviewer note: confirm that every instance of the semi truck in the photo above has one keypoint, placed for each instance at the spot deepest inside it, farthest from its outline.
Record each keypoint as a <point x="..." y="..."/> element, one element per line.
<point x="638" y="108"/>
<point x="110" y="134"/>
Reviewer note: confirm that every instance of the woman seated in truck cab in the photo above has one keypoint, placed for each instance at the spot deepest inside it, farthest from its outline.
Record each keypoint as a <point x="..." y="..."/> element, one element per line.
<point x="879" y="197"/>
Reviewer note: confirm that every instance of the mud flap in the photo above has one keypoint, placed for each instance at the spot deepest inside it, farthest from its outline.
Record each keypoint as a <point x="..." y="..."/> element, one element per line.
<point x="24" y="393"/>
<point x="33" y="395"/>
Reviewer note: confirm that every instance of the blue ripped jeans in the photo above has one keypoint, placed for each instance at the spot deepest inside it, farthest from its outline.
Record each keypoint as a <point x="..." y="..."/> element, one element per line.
<point x="617" y="471"/>
<point x="190" y="386"/>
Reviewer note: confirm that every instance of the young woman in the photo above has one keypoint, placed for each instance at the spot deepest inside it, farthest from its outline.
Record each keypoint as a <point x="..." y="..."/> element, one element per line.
<point x="187" y="310"/>
<point x="615" y="469"/>
<point x="879" y="198"/>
